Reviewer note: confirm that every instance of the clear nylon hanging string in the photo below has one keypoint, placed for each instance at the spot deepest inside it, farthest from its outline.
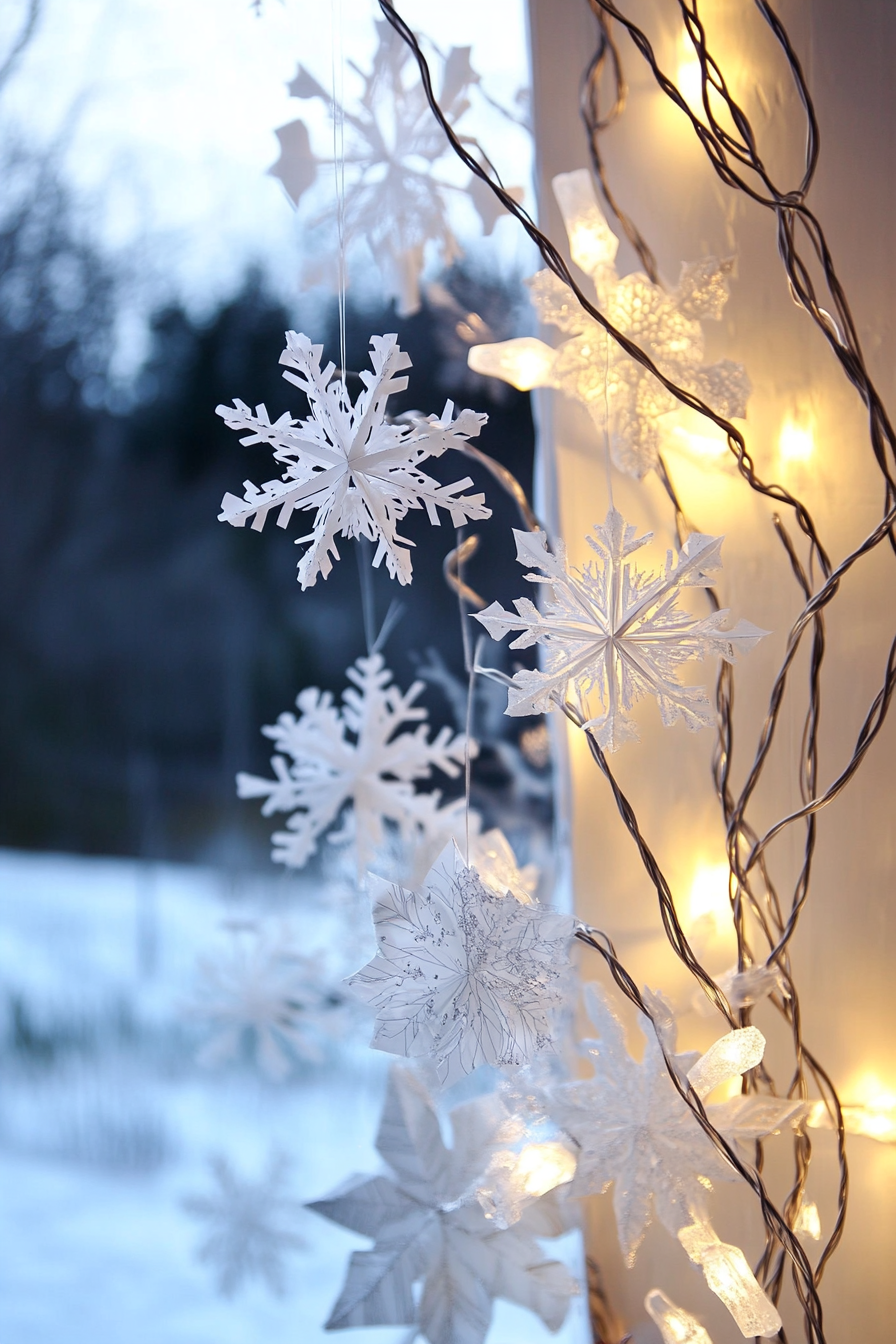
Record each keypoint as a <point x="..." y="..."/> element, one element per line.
<point x="337" y="58"/>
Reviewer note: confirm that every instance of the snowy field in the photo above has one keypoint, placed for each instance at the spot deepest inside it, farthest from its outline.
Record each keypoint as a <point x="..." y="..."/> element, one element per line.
<point x="107" y="1123"/>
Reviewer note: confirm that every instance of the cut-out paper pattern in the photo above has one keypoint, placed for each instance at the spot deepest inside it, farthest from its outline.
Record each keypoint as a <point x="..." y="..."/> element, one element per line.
<point x="613" y="628"/>
<point x="356" y="757"/>
<point x="394" y="196"/>
<point x="463" y="975"/>
<point x="250" y="1225"/>
<point x="622" y="397"/>
<point x="259" y="985"/>
<point x="635" y="1131"/>
<point x="427" y="1224"/>
<point x="359" y="474"/>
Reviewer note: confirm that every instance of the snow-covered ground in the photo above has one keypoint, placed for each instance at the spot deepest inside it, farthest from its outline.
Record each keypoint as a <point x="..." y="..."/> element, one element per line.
<point x="107" y="1123"/>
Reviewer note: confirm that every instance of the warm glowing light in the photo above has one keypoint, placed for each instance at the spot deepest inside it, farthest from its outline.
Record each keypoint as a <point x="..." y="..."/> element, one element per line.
<point x="524" y="363"/>
<point x="729" y="1276"/>
<point x="731" y="1055"/>
<point x="675" y="1325"/>
<point x="709" y="897"/>
<point x="542" y="1167"/>
<point x="872" y="1115"/>
<point x="808" y="1220"/>
<point x="704" y="447"/>
<point x="592" y="243"/>
<point x="689" y="76"/>
<point x="796" y="442"/>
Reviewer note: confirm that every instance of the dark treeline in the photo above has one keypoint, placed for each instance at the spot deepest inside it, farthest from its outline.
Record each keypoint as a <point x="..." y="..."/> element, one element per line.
<point x="143" y="642"/>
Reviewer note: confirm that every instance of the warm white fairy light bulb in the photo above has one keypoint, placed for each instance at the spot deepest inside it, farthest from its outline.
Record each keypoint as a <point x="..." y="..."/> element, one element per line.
<point x="728" y="1275"/>
<point x="808" y="1220"/>
<point x="796" y="442"/>
<point x="708" y="898"/>
<point x="541" y="1167"/>
<point x="689" y="75"/>
<point x="675" y="1325"/>
<point x="524" y="363"/>
<point x="731" y="1055"/>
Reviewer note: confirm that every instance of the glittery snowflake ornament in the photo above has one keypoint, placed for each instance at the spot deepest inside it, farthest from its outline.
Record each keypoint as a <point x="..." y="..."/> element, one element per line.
<point x="250" y="1225"/>
<point x="394" y="195"/>
<point x="462" y="974"/>
<point x="635" y="1131"/>
<point x="427" y="1225"/>
<point x="356" y="757"/>
<point x="613" y="629"/>
<point x="359" y="474"/>
<point x="621" y="396"/>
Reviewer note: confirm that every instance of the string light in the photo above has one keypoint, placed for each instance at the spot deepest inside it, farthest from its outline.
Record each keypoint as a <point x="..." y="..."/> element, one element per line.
<point x="808" y="1220"/>
<point x="728" y="1275"/>
<point x="796" y="442"/>
<point x="675" y="1325"/>
<point x="708" y="899"/>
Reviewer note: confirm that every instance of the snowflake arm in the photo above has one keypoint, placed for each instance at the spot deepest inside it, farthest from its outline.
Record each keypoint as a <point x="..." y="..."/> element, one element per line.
<point x="359" y="474"/>
<point x="462" y="974"/>
<point x="613" y="628"/>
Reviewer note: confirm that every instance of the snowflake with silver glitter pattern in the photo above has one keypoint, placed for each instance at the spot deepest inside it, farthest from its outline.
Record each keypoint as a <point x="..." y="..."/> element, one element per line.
<point x="462" y="974"/>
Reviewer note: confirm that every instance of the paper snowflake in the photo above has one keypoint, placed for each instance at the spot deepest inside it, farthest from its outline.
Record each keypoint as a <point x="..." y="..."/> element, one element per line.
<point x="259" y="985"/>
<point x="360" y="474"/>
<point x="251" y="1225"/>
<point x="393" y="195"/>
<point x="356" y="757"/>
<point x="635" y="1131"/>
<point x="591" y="367"/>
<point x="462" y="974"/>
<point x="613" y="628"/>
<point x="427" y="1224"/>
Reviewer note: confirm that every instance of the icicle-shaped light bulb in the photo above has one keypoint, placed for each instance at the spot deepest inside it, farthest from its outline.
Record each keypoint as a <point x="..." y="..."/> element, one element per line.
<point x="728" y="1057"/>
<point x="592" y="244"/>
<point x="808" y="1220"/>
<point x="675" y="1325"/>
<point x="524" y="363"/>
<point x="729" y="1276"/>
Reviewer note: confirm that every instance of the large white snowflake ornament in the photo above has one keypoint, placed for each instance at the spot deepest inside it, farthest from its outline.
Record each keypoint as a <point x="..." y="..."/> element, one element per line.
<point x="622" y="398"/>
<point x="617" y="630"/>
<point x="427" y="1225"/>
<point x="356" y="756"/>
<point x="259" y="985"/>
<point x="394" y="196"/>
<point x="358" y="473"/>
<point x="251" y="1225"/>
<point x="635" y="1131"/>
<point x="462" y="974"/>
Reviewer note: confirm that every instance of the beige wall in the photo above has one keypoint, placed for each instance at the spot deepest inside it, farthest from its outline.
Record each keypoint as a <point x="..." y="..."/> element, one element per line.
<point x="844" y="952"/>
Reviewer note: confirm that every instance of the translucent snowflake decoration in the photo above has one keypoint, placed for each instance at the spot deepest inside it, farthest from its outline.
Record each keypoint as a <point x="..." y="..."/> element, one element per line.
<point x="260" y="986"/>
<point x="360" y="474"/>
<point x="635" y="1131"/>
<point x="250" y="1225"/>
<point x="592" y="368"/>
<point x="427" y="1225"/>
<point x="463" y="975"/>
<point x="617" y="630"/>
<point x="355" y="759"/>
<point x="393" y="195"/>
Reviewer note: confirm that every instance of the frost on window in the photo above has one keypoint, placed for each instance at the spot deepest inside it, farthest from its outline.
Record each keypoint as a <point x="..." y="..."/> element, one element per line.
<point x="357" y="472"/>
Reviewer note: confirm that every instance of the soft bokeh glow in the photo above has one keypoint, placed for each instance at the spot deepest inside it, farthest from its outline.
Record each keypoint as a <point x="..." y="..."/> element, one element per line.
<point x="542" y="1167"/>
<point x="796" y="442"/>
<point x="688" y="75"/>
<point x="675" y="1325"/>
<point x="524" y="363"/>
<point x="708" y="899"/>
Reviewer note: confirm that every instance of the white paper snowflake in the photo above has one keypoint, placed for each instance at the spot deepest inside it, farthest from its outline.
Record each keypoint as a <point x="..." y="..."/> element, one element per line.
<point x="636" y="1132"/>
<point x="250" y="1225"/>
<point x="360" y="474"/>
<point x="591" y="367"/>
<point x="613" y="628"/>
<point x="356" y="756"/>
<point x="463" y="975"/>
<point x="394" y="196"/>
<point x="259" y="985"/>
<point x="427" y="1224"/>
